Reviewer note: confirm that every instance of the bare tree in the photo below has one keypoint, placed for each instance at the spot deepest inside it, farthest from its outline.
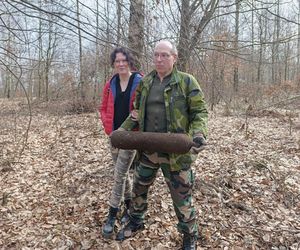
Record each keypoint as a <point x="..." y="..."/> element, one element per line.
<point x="40" y="58"/>
<point x="262" y="23"/>
<point x="190" y="33"/>
<point x="54" y="28"/>
<point x="8" y="77"/>
<point x="51" y="46"/>
<point x="236" y="47"/>
<point x="298" y="47"/>
<point x="275" y="47"/>
<point x="81" y="80"/>
<point x="119" y="22"/>
<point x="136" y="30"/>
<point x="97" y="60"/>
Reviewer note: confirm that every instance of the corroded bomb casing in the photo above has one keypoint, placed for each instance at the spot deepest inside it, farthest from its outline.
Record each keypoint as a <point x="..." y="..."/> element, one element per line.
<point x="151" y="141"/>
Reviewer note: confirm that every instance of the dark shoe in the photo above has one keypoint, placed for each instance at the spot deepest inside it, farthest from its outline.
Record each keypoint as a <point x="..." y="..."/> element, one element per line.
<point x="129" y="230"/>
<point x="189" y="242"/>
<point x="108" y="228"/>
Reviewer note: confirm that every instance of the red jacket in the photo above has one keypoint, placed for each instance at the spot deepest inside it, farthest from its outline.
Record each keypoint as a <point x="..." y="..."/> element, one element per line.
<point x="108" y="99"/>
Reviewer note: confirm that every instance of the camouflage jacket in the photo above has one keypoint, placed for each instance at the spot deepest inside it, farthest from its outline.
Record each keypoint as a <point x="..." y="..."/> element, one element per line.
<point x="185" y="110"/>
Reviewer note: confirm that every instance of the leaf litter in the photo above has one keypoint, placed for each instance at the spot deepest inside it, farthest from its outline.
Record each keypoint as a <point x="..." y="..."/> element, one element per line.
<point x="247" y="188"/>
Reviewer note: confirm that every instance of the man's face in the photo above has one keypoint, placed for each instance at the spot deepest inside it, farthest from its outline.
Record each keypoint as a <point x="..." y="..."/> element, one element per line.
<point x="163" y="59"/>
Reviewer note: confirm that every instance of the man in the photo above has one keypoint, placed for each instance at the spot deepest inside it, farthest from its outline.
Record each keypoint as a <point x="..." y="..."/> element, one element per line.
<point x="167" y="100"/>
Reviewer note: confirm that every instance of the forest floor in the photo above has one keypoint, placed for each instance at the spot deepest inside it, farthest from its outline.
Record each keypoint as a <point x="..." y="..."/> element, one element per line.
<point x="55" y="185"/>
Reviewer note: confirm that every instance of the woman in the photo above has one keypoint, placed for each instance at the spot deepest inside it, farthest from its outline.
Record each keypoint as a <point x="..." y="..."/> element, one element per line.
<point x="117" y="102"/>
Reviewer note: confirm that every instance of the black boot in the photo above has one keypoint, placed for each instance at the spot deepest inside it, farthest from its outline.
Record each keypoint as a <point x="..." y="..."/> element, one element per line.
<point x="108" y="227"/>
<point x="189" y="242"/>
<point x="129" y="230"/>
<point x="125" y="216"/>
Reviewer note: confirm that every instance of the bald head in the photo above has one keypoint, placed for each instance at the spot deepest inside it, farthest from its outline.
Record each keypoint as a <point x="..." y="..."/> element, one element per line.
<point x="167" y="44"/>
<point x="165" y="56"/>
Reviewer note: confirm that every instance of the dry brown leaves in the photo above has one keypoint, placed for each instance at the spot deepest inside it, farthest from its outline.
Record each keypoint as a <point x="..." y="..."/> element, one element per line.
<point x="54" y="196"/>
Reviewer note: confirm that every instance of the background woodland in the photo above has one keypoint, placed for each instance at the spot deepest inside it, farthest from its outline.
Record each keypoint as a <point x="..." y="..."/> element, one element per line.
<point x="241" y="51"/>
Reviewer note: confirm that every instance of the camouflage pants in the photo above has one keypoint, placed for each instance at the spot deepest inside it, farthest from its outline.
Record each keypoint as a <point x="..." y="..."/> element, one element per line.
<point x="180" y="184"/>
<point x="122" y="186"/>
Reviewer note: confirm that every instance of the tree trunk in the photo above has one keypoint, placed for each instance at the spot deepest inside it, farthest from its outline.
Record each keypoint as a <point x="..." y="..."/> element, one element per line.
<point x="8" y="76"/>
<point x="184" y="36"/>
<point x="188" y="40"/>
<point x="136" y="30"/>
<point x="97" y="59"/>
<point x="260" y="51"/>
<point x="40" y="62"/>
<point x="236" y="48"/>
<point x="286" y="61"/>
<point x="298" y="48"/>
<point x="275" y="47"/>
<point x="119" y="21"/>
<point x="81" y="80"/>
<point x="252" y="44"/>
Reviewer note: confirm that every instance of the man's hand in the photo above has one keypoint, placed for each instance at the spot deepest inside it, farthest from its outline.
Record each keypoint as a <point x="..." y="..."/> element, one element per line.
<point x="199" y="144"/>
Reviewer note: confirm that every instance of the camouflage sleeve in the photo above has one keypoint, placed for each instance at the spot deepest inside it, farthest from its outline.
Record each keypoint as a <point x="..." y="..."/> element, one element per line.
<point x="129" y="124"/>
<point x="198" y="114"/>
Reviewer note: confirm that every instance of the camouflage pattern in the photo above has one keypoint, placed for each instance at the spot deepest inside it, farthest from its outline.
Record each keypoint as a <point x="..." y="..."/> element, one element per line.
<point x="180" y="184"/>
<point x="122" y="186"/>
<point x="185" y="110"/>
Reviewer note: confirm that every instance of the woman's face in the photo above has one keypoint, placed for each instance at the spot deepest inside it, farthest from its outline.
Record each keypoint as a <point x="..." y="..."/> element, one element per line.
<point x="121" y="64"/>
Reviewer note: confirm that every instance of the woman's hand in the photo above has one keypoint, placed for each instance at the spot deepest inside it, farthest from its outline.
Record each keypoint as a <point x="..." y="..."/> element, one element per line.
<point x="134" y="115"/>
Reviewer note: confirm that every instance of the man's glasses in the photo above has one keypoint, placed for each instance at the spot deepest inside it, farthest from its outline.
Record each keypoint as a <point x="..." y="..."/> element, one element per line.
<point x="162" y="56"/>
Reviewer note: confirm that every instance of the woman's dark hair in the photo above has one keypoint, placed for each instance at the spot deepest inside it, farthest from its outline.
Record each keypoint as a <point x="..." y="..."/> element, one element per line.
<point x="125" y="52"/>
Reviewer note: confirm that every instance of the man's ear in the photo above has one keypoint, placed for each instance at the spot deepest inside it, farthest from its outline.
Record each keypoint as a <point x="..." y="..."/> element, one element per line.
<point x="175" y="58"/>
